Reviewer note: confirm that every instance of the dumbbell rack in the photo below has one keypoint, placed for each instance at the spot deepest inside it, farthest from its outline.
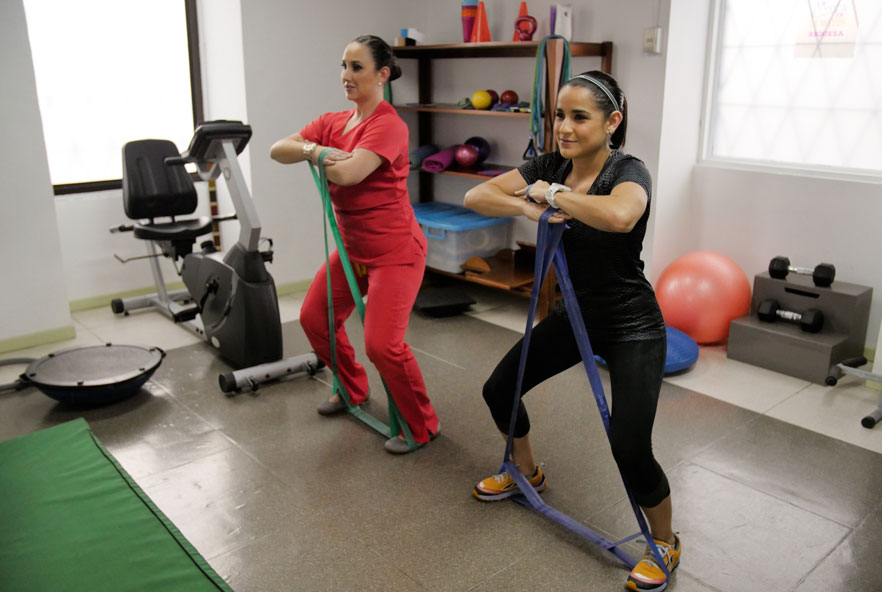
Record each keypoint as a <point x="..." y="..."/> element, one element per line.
<point x="784" y="347"/>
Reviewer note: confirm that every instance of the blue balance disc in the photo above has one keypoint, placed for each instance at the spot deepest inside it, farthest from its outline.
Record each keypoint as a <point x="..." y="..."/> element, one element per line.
<point x="682" y="352"/>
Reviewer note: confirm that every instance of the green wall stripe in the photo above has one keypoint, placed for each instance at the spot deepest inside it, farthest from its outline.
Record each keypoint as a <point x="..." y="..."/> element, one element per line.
<point x="39" y="338"/>
<point x="104" y="299"/>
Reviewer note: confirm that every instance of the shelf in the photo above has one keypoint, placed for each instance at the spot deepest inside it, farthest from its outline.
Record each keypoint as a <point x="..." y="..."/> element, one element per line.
<point x="496" y="49"/>
<point x="472" y="172"/>
<point x="445" y="108"/>
<point x="507" y="270"/>
<point x="511" y="271"/>
<point x="499" y="283"/>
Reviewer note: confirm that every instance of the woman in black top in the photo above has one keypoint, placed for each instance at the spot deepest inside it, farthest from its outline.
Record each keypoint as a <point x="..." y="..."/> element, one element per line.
<point x="603" y="195"/>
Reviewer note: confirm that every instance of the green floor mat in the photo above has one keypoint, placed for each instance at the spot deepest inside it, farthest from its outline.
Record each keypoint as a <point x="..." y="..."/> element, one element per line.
<point x="72" y="519"/>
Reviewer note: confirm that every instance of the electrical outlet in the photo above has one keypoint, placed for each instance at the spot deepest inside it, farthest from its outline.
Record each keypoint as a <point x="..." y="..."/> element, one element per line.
<point x="652" y="40"/>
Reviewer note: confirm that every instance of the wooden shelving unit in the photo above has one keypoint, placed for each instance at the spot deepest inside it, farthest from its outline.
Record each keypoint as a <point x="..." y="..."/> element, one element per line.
<point x="475" y="172"/>
<point x="472" y="172"/>
<point x="509" y="269"/>
<point x="460" y="111"/>
<point x="503" y="49"/>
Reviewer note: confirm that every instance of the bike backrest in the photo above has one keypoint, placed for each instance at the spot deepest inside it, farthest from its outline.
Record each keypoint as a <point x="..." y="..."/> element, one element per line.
<point x="151" y="188"/>
<point x="209" y="132"/>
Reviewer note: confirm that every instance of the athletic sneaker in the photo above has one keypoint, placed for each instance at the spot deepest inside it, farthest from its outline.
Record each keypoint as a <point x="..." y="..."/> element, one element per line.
<point x="647" y="576"/>
<point x="501" y="486"/>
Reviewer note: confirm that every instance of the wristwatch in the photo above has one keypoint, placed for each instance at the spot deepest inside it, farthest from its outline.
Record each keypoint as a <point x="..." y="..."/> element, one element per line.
<point x="308" y="149"/>
<point x="552" y="189"/>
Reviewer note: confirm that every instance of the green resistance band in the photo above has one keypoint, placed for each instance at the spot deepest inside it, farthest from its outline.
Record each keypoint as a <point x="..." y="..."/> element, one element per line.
<point x="396" y="421"/>
<point x="537" y="126"/>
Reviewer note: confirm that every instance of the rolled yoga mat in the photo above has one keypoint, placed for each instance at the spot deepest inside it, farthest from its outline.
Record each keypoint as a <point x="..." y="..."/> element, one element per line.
<point x="440" y="160"/>
<point x="420" y="154"/>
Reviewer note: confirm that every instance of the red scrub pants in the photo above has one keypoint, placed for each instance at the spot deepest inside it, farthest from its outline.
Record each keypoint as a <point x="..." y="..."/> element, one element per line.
<point x="391" y="291"/>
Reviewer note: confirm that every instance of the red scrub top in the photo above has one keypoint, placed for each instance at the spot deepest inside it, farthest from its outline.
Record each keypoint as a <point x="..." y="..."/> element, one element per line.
<point x="375" y="217"/>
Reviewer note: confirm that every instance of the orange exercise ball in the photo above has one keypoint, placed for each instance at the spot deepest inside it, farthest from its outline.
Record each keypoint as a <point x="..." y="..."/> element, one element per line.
<point x="700" y="293"/>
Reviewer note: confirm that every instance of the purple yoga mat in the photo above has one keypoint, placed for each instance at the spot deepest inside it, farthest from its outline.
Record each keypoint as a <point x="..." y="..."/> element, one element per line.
<point x="440" y="160"/>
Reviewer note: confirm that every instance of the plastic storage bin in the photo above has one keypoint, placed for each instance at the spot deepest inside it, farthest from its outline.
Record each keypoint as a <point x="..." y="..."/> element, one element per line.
<point x="455" y="234"/>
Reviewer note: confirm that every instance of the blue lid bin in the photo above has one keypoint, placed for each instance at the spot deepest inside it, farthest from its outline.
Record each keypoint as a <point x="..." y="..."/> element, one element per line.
<point x="456" y="234"/>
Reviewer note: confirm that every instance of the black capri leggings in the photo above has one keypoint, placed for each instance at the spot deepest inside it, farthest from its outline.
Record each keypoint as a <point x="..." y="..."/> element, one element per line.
<point x="636" y="369"/>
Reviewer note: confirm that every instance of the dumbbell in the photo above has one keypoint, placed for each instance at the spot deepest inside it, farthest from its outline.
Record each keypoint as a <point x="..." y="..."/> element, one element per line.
<point x="822" y="274"/>
<point x="810" y="321"/>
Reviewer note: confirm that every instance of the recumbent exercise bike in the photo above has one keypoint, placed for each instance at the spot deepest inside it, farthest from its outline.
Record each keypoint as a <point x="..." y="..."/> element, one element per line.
<point x="230" y="300"/>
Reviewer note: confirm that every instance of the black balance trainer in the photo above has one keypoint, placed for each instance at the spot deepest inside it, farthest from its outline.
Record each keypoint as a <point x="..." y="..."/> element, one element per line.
<point x="229" y="300"/>
<point x="88" y="376"/>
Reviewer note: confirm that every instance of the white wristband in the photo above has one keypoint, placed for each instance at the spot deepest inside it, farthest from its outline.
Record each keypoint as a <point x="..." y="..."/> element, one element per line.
<point x="552" y="189"/>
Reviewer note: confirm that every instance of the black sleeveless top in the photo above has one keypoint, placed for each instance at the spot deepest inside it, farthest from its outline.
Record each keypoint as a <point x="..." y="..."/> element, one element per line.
<point x="617" y="301"/>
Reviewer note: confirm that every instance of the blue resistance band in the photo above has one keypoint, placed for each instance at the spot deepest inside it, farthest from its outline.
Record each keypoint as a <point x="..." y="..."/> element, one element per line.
<point x="396" y="420"/>
<point x="548" y="250"/>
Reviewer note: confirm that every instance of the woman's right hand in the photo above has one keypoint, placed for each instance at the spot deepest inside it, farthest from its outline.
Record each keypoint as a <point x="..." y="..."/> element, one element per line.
<point x="506" y="195"/>
<point x="534" y="211"/>
<point x="535" y="205"/>
<point x="333" y="156"/>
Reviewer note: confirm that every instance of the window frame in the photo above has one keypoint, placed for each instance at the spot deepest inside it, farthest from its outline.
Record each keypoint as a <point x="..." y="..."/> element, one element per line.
<point x="706" y="158"/>
<point x="196" y="101"/>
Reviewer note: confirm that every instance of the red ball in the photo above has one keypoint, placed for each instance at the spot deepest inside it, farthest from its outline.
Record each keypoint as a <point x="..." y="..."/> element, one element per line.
<point x="482" y="146"/>
<point x="702" y="292"/>
<point x="466" y="155"/>
<point x="510" y="97"/>
<point x="494" y="98"/>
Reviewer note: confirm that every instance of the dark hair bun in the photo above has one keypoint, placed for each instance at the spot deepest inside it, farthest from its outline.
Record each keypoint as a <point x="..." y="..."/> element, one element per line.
<point x="382" y="54"/>
<point x="395" y="71"/>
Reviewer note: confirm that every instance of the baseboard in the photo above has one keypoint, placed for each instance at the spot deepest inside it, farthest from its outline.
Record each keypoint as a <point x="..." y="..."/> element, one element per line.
<point x="105" y="299"/>
<point x="36" y="339"/>
<point x="870" y="354"/>
<point x="293" y="288"/>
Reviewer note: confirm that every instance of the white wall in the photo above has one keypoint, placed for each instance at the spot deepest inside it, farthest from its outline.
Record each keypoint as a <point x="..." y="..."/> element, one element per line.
<point x="88" y="247"/>
<point x="284" y="72"/>
<point x="34" y="295"/>
<point x="273" y="64"/>
<point x="90" y="268"/>
<point x="291" y="69"/>
<point x="292" y="75"/>
<point x="641" y="76"/>
<point x="748" y="215"/>
<point x="674" y="232"/>
<point x="753" y="216"/>
<point x="223" y="87"/>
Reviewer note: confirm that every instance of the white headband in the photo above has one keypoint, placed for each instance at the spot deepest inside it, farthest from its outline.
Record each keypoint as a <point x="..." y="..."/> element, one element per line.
<point x="601" y="86"/>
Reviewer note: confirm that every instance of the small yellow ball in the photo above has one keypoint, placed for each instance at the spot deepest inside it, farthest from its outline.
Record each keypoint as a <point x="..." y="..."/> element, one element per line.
<point x="481" y="99"/>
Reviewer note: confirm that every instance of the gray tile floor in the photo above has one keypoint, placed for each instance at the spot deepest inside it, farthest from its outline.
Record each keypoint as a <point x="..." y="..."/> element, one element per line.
<point x="277" y="497"/>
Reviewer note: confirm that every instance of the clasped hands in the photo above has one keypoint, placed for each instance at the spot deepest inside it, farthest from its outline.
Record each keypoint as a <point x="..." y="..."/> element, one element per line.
<point x="333" y="156"/>
<point x="535" y="204"/>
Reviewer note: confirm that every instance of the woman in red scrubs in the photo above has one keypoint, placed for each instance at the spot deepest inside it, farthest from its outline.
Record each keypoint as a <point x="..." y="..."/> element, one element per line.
<point x="367" y="170"/>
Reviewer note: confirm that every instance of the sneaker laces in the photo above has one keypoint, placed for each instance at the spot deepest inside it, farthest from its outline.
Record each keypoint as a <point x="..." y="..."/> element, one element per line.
<point x="664" y="549"/>
<point x="502" y="477"/>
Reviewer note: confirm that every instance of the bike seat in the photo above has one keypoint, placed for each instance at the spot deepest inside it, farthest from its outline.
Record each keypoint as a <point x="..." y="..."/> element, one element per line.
<point x="179" y="230"/>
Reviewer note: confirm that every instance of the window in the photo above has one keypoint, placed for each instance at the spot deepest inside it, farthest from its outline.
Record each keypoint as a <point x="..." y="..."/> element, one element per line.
<point x="797" y="83"/>
<point x="109" y="72"/>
